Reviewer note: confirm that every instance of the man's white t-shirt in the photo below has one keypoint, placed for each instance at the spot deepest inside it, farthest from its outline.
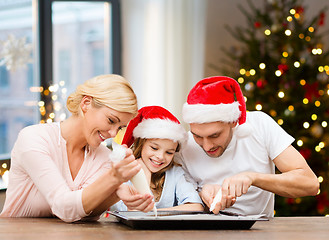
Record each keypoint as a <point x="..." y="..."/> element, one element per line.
<point x="254" y="152"/>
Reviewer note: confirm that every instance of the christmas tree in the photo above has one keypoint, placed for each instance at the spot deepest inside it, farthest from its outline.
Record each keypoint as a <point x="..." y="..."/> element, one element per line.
<point x="283" y="70"/>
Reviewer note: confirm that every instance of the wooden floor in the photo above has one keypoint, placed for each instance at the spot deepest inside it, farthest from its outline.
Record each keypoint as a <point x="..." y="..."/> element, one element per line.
<point x="291" y="228"/>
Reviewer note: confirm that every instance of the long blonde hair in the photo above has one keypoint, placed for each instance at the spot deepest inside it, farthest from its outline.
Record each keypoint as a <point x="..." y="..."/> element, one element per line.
<point x="157" y="179"/>
<point x="109" y="90"/>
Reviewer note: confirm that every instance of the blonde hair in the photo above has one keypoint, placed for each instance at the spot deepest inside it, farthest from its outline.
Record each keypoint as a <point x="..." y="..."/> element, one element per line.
<point x="109" y="90"/>
<point x="157" y="179"/>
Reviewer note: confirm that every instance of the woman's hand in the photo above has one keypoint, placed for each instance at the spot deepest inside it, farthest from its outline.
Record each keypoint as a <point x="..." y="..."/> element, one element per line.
<point x="133" y="200"/>
<point x="125" y="169"/>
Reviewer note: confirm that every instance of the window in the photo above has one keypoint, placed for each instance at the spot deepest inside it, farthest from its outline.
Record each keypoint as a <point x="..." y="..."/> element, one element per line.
<point x="76" y="40"/>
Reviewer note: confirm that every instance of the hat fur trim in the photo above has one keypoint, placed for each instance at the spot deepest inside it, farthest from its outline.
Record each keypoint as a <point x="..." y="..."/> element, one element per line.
<point x="161" y="128"/>
<point x="205" y="113"/>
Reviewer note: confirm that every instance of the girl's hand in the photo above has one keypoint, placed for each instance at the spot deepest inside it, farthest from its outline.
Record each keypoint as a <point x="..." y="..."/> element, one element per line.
<point x="133" y="200"/>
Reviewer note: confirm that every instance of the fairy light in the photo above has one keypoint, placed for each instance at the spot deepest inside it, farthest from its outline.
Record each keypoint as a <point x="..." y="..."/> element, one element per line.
<point x="287" y="32"/>
<point x="306" y="125"/>
<point x="267" y="32"/>
<point x="289" y="18"/>
<point x="301" y="36"/>
<point x="262" y="66"/>
<point x="308" y="38"/>
<point x="320" y="68"/>
<point x="305" y="101"/>
<point x="291" y="108"/>
<point x="4" y="165"/>
<point x="252" y="72"/>
<point x="321" y="144"/>
<point x="245" y="98"/>
<point x="302" y="82"/>
<point x="280" y="121"/>
<point x="259" y="107"/>
<point x="314" y="117"/>
<point x="247" y="73"/>
<point x="242" y="71"/>
<point x="49" y="120"/>
<point x="311" y="29"/>
<point x="317" y="148"/>
<point x="320" y="179"/>
<point x="240" y="80"/>
<point x="281" y="94"/>
<point x="52" y="115"/>
<point x="297" y="15"/>
<point x="273" y="113"/>
<point x="292" y="11"/>
<point x="324" y="124"/>
<point x="41" y="103"/>
<point x="300" y="143"/>
<point x="297" y="64"/>
<point x="54" y="97"/>
<point x="317" y="103"/>
<point x="278" y="73"/>
<point x="285" y="54"/>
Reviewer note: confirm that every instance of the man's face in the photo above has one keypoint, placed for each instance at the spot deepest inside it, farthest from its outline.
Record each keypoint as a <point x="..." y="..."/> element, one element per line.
<point x="213" y="137"/>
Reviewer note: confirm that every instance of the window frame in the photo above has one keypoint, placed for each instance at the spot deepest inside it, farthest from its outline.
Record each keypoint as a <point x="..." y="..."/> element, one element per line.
<point x="43" y="67"/>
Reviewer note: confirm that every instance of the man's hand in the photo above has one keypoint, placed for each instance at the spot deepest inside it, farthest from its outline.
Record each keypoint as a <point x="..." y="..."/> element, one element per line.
<point x="133" y="200"/>
<point x="237" y="185"/>
<point x="208" y="194"/>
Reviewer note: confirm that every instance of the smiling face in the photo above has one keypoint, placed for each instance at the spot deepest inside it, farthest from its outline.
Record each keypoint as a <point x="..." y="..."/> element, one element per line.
<point x="101" y="123"/>
<point x="213" y="137"/>
<point x="158" y="153"/>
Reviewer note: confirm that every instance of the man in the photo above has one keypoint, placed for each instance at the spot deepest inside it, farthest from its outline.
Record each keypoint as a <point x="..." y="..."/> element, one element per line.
<point x="237" y="152"/>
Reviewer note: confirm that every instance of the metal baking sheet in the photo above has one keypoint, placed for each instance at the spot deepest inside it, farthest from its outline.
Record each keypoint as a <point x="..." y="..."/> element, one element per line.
<point x="185" y="220"/>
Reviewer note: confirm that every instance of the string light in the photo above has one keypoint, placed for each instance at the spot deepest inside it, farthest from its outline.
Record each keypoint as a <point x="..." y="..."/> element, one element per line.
<point x="297" y="64"/>
<point x="305" y="101"/>
<point x="292" y="11"/>
<point x="320" y="179"/>
<point x="262" y="66"/>
<point x="306" y="125"/>
<point x="287" y="32"/>
<point x="314" y="117"/>
<point x="278" y="73"/>
<point x="311" y="29"/>
<point x="280" y="121"/>
<point x="281" y="94"/>
<point x="252" y="72"/>
<point x="289" y="18"/>
<point x="320" y="68"/>
<point x="242" y="71"/>
<point x="300" y="143"/>
<point x="301" y="36"/>
<point x="317" y="103"/>
<point x="321" y="144"/>
<point x="259" y="107"/>
<point x="240" y="80"/>
<point x="302" y="82"/>
<point x="267" y="32"/>
<point x="324" y="124"/>
<point x="285" y="54"/>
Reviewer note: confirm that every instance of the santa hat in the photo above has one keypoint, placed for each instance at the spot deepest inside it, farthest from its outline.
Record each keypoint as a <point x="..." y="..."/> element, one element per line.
<point x="154" y="122"/>
<point x="216" y="99"/>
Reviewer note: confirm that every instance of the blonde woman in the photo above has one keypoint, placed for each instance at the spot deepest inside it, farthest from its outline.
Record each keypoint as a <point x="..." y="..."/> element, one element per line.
<point x="62" y="169"/>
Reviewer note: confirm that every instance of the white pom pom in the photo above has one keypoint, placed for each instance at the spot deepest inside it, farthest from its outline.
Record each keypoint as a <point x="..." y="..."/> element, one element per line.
<point x="243" y="130"/>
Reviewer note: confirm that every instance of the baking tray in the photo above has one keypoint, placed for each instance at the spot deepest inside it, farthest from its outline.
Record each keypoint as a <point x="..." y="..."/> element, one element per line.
<point x="185" y="220"/>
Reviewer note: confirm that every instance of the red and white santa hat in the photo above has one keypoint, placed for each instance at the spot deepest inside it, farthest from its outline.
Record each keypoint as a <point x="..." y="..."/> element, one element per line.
<point x="215" y="99"/>
<point x="154" y="122"/>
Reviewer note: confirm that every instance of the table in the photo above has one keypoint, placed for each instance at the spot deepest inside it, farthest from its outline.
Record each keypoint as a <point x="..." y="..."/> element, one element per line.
<point x="291" y="228"/>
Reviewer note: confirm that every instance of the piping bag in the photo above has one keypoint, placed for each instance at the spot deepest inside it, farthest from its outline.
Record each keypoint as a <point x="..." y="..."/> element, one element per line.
<point x="217" y="199"/>
<point x="139" y="180"/>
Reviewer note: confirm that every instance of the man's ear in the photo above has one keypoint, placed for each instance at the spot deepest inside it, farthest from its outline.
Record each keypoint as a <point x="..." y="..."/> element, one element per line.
<point x="85" y="103"/>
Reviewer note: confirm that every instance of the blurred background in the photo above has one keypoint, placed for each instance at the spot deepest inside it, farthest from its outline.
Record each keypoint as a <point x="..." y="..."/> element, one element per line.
<point x="277" y="50"/>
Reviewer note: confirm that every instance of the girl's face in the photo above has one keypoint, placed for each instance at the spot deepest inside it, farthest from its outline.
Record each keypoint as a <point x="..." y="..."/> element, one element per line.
<point x="101" y="123"/>
<point x="158" y="153"/>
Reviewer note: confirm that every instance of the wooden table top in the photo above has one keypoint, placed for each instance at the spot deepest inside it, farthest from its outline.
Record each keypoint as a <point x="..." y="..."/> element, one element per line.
<point x="108" y="228"/>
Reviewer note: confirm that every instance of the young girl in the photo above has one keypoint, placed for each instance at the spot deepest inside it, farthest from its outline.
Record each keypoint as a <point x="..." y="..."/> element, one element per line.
<point x="156" y="136"/>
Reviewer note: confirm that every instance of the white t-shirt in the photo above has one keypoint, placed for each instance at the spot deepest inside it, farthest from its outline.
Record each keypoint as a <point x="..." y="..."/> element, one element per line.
<point x="252" y="153"/>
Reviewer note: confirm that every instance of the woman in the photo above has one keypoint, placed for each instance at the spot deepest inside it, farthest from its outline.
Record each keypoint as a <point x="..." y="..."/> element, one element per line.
<point x="156" y="136"/>
<point x="62" y="169"/>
